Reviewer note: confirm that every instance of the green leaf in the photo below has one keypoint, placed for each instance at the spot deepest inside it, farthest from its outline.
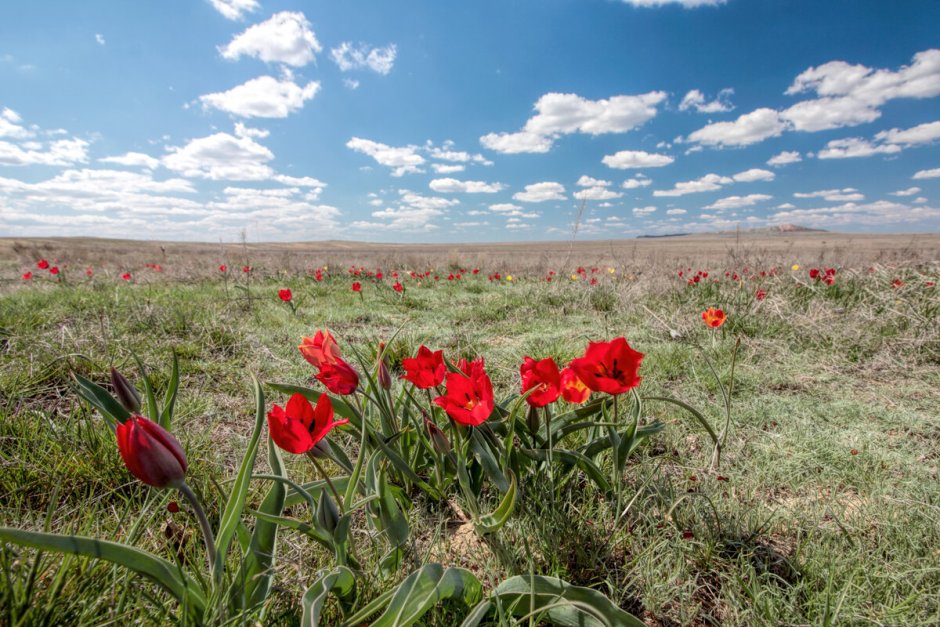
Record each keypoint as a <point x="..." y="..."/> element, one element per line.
<point x="257" y="568"/>
<point x="479" y="445"/>
<point x="236" y="501"/>
<point x="695" y="413"/>
<point x="162" y="572"/>
<point x="573" y="458"/>
<point x="99" y="398"/>
<point x="152" y="412"/>
<point x="419" y="592"/>
<point x="169" y="399"/>
<point x="306" y="528"/>
<point x="490" y="523"/>
<point x="340" y="581"/>
<point x="393" y="519"/>
<point x="559" y="603"/>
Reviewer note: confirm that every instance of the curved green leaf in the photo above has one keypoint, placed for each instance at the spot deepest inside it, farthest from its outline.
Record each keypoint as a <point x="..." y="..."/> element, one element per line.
<point x="169" y="398"/>
<point x="559" y="603"/>
<point x="695" y="413"/>
<point x="489" y="523"/>
<point x="340" y="581"/>
<point x="162" y="572"/>
<point x="419" y="592"/>
<point x="99" y="398"/>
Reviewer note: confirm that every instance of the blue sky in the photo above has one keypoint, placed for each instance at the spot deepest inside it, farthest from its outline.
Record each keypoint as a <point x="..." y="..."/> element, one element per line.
<point x="434" y="121"/>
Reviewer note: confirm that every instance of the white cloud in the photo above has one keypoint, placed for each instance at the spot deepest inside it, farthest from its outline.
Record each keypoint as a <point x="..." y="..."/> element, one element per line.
<point x="134" y="160"/>
<point x="828" y="113"/>
<point x="402" y="160"/>
<point x="453" y="186"/>
<point x="749" y="128"/>
<point x="910" y="191"/>
<point x="100" y="39"/>
<point x="922" y="174"/>
<point x="562" y="114"/>
<point x="351" y="83"/>
<point x="358" y="57"/>
<point x="696" y="100"/>
<point x="848" y="194"/>
<point x="413" y="212"/>
<point x="505" y="207"/>
<point x="920" y="134"/>
<point x="708" y="183"/>
<point x="447" y="168"/>
<point x="687" y="4"/>
<point x="10" y="125"/>
<point x="541" y="192"/>
<point x="644" y="211"/>
<point x="597" y="192"/>
<point x="785" y="158"/>
<point x="61" y="152"/>
<point x="244" y="131"/>
<point x="737" y="202"/>
<point x="221" y="157"/>
<point x="855" y="147"/>
<point x="587" y="181"/>
<point x="637" y="181"/>
<point x="262" y="97"/>
<point x="235" y="9"/>
<point x="285" y="37"/>
<point x="446" y="152"/>
<point x="753" y="175"/>
<point x="676" y="212"/>
<point x="853" y="215"/>
<point x="634" y="159"/>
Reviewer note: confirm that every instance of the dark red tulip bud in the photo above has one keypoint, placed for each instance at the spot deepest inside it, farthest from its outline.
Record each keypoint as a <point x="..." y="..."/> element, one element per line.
<point x="327" y="514"/>
<point x="125" y="391"/>
<point x="385" y="378"/>
<point x="151" y="453"/>
<point x="438" y="438"/>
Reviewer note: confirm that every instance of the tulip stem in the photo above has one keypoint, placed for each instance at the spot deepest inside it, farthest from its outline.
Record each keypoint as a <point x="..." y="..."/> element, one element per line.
<point x="207" y="535"/>
<point x="329" y="483"/>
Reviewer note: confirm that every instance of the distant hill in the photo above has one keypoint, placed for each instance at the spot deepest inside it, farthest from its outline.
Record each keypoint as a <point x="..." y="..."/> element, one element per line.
<point x="769" y="230"/>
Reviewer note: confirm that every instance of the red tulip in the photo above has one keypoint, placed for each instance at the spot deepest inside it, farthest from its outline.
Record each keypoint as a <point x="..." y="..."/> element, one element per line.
<point x="426" y="370"/>
<point x="544" y="377"/>
<point x="573" y="389"/>
<point x="285" y="295"/>
<point x="357" y="286"/>
<point x="299" y="427"/>
<point x="27" y="276"/>
<point x="89" y="272"/>
<point x="609" y="366"/>
<point x="398" y="287"/>
<point x="339" y="377"/>
<point x="42" y="264"/>
<point x="151" y="452"/>
<point x="469" y="399"/>
<point x="223" y="268"/>
<point x="714" y="317"/>
<point x="320" y="350"/>
<point x="126" y="276"/>
<point x="760" y="294"/>
<point x="246" y="269"/>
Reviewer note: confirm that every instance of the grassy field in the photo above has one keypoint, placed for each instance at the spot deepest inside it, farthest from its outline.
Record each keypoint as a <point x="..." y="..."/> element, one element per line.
<point x="825" y="510"/>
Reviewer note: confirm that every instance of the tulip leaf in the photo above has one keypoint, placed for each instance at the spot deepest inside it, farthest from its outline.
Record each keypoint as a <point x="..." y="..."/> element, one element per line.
<point x="602" y="444"/>
<point x="553" y="601"/>
<point x="162" y="572"/>
<point x="573" y="458"/>
<point x="479" y="445"/>
<point x="695" y="413"/>
<point x="418" y="593"/>
<point x="169" y="398"/>
<point x="311" y="530"/>
<point x="393" y="519"/>
<point x="340" y="581"/>
<point x="256" y="570"/>
<point x="231" y="516"/>
<point x="99" y="398"/>
<point x="152" y="412"/>
<point x="490" y="523"/>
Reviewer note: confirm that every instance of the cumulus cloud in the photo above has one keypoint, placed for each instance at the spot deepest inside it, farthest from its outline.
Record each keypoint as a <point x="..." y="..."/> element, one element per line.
<point x="597" y="192"/>
<point x="753" y="175"/>
<point x="262" y="97"/>
<point x="221" y="157"/>
<point x="637" y="181"/>
<point x="921" y="174"/>
<point x="541" y="192"/>
<point x="855" y="147"/>
<point x="448" y="168"/>
<point x="920" y="134"/>
<point x="738" y="202"/>
<point x="696" y="100"/>
<point x="910" y="191"/>
<point x="10" y="125"/>
<point x="349" y="56"/>
<point x="707" y="183"/>
<point x="563" y="114"/>
<point x="748" y="129"/>
<point x="60" y="152"/>
<point x="413" y="212"/>
<point x="785" y="158"/>
<point x="235" y="9"/>
<point x="635" y="159"/>
<point x="853" y="215"/>
<point x="644" y="211"/>
<point x="133" y="160"/>
<point x="848" y="194"/>
<point x="285" y="37"/>
<point x="453" y="186"/>
<point x="402" y="160"/>
<point x="588" y="181"/>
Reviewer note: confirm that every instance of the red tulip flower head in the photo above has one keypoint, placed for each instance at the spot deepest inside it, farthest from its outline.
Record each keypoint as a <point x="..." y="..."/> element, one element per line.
<point x="126" y="276"/>
<point x="544" y="378"/>
<point x="151" y="452"/>
<point x="223" y="268"/>
<point x="760" y="294"/>
<point x="610" y="367"/>
<point x="714" y="317"/>
<point x="27" y="276"/>
<point x="426" y="370"/>
<point x="469" y="398"/>
<point x="398" y="287"/>
<point x="573" y="389"/>
<point x="320" y="350"/>
<point x="299" y="426"/>
<point x="339" y="378"/>
<point x="285" y="295"/>
<point x="42" y="264"/>
<point x="54" y="270"/>
<point x="357" y="286"/>
<point x="89" y="272"/>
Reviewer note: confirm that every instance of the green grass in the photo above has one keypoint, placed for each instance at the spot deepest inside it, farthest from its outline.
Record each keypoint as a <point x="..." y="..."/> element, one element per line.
<point x="793" y="529"/>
